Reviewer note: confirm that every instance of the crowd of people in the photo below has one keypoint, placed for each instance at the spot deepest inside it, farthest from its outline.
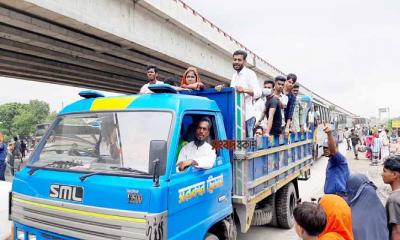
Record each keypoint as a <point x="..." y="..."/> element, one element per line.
<point x="375" y="142"/>
<point x="10" y="153"/>
<point x="358" y="213"/>
<point x="273" y="109"/>
<point x="350" y="208"/>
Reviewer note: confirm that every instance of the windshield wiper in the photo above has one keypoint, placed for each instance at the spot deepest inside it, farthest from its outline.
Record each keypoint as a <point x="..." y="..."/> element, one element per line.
<point x="125" y="169"/>
<point x="35" y="168"/>
<point x="59" y="163"/>
<point x="128" y="169"/>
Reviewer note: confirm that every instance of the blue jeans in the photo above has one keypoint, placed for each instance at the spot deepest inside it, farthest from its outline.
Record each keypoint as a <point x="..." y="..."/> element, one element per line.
<point x="250" y="127"/>
<point x="2" y="171"/>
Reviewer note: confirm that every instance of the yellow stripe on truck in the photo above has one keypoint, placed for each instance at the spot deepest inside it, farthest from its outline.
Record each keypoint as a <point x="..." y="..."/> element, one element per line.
<point x="81" y="212"/>
<point x="118" y="103"/>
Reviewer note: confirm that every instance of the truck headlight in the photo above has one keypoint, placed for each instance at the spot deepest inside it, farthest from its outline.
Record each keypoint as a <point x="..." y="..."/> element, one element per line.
<point x="20" y="234"/>
<point x="31" y="236"/>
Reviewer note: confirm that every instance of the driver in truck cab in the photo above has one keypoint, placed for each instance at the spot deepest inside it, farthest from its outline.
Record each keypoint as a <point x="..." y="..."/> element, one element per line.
<point x="198" y="153"/>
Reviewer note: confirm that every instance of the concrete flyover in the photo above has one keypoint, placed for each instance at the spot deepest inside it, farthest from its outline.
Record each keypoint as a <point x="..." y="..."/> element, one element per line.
<point x="106" y="44"/>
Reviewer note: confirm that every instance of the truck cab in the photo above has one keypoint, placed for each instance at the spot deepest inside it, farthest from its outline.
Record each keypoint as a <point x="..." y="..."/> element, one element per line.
<point x="106" y="169"/>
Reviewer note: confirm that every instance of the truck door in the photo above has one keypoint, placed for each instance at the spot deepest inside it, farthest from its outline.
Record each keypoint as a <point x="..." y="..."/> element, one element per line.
<point x="199" y="197"/>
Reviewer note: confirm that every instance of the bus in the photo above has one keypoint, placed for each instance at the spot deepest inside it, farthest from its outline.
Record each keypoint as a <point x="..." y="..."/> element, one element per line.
<point x="322" y="116"/>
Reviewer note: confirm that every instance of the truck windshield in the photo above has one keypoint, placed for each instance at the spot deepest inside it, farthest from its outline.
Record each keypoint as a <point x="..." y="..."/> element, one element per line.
<point x="108" y="141"/>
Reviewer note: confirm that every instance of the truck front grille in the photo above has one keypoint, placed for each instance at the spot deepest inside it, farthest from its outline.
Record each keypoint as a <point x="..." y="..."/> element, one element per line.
<point x="82" y="222"/>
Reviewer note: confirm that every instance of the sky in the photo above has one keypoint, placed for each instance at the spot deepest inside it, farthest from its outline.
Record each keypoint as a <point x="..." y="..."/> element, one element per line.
<point x="345" y="50"/>
<point x="16" y="90"/>
<point x="348" y="51"/>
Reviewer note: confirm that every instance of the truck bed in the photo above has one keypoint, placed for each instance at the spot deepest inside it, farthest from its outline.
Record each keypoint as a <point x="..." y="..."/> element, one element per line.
<point x="260" y="170"/>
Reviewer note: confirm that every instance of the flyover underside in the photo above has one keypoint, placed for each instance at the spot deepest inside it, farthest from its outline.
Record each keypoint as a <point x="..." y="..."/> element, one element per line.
<point x="39" y="49"/>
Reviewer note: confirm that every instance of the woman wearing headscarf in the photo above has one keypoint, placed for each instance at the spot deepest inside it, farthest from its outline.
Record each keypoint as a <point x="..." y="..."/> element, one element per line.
<point x="191" y="79"/>
<point x="338" y="226"/>
<point x="368" y="213"/>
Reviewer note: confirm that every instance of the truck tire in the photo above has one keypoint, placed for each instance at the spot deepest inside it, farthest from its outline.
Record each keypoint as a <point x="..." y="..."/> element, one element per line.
<point x="262" y="216"/>
<point x="210" y="236"/>
<point x="285" y="203"/>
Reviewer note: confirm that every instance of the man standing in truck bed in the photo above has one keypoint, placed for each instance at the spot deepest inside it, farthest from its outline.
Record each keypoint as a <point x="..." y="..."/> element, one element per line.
<point x="245" y="81"/>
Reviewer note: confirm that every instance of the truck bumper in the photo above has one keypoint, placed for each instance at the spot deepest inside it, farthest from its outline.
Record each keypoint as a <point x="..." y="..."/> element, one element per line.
<point x="47" y="219"/>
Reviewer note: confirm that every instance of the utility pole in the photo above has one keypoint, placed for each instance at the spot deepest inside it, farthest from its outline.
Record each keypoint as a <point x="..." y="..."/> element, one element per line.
<point x="384" y="110"/>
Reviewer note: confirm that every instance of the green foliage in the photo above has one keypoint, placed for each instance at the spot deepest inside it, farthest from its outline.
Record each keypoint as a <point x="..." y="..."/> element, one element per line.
<point x="24" y="123"/>
<point x="50" y="118"/>
<point x="8" y="112"/>
<point x="21" y="119"/>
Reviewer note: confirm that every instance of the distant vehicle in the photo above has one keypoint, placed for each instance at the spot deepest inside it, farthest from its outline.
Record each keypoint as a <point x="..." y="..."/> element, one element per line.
<point x="322" y="116"/>
<point x="39" y="132"/>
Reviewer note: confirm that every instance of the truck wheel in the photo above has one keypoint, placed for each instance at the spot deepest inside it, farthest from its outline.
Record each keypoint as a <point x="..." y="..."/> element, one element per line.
<point x="262" y="216"/>
<point x="285" y="204"/>
<point x="210" y="236"/>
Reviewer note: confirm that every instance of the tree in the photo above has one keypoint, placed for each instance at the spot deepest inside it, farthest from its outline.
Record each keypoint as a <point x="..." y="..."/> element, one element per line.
<point x="50" y="118"/>
<point x="24" y="123"/>
<point x="8" y="112"/>
<point x="21" y="119"/>
<point x="39" y="109"/>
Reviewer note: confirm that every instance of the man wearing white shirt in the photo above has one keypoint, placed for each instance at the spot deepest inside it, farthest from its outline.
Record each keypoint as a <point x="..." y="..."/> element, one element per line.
<point x="198" y="153"/>
<point x="152" y="74"/>
<point x="245" y="81"/>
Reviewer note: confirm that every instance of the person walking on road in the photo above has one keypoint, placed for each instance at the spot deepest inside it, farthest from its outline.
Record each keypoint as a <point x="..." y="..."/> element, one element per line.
<point x="338" y="213"/>
<point x="376" y="149"/>
<point x="391" y="176"/>
<point x="23" y="148"/>
<point x="385" y="143"/>
<point x="10" y="158"/>
<point x="337" y="170"/>
<point x="346" y="135"/>
<point x="3" y="154"/>
<point x="355" y="140"/>
<point x="17" y="149"/>
<point x="368" y="143"/>
<point x="361" y="196"/>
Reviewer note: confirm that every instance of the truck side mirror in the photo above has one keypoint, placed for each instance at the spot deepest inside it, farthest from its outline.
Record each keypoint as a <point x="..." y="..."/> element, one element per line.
<point x="157" y="158"/>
